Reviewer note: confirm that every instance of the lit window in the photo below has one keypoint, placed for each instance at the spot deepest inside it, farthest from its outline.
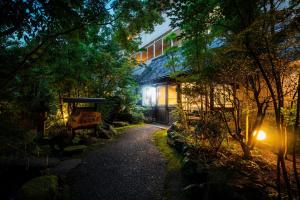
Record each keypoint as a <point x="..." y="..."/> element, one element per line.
<point x="158" y="47"/>
<point x="161" y="95"/>
<point x="148" y="96"/>
<point x="144" y="56"/>
<point x="193" y="101"/>
<point x="172" y="95"/>
<point x="138" y="57"/>
<point x="150" y="52"/>
<point x="223" y="96"/>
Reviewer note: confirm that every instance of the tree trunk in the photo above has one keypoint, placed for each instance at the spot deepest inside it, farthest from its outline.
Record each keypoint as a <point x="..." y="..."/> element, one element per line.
<point x="246" y="150"/>
<point x="296" y="132"/>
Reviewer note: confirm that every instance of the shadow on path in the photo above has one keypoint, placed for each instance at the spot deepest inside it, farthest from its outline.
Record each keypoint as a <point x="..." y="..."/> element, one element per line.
<point x="131" y="168"/>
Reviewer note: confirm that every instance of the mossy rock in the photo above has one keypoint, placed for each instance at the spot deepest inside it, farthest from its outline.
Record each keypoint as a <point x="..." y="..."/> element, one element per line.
<point x="178" y="145"/>
<point x="75" y="149"/>
<point x="40" y="188"/>
<point x="112" y="130"/>
<point x="120" y="124"/>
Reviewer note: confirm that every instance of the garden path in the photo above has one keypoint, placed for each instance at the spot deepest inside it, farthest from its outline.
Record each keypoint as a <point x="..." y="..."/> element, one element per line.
<point x="130" y="168"/>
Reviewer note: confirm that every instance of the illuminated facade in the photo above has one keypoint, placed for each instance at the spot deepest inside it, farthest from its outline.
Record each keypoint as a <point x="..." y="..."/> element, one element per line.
<point x="158" y="90"/>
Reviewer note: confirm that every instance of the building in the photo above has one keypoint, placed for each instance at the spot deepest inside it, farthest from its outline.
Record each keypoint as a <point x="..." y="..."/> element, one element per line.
<point x="159" y="90"/>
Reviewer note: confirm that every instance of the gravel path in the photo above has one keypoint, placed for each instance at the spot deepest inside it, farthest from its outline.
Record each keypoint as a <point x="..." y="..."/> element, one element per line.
<point x="131" y="168"/>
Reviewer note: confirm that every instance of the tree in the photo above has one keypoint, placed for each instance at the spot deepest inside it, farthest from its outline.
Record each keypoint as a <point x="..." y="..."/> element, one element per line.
<point x="29" y="28"/>
<point x="83" y="48"/>
<point x="264" y="32"/>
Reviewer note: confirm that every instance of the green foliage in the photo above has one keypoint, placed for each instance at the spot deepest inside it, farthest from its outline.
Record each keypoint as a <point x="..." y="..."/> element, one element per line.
<point x="69" y="49"/>
<point x="75" y="149"/>
<point x="173" y="179"/>
<point x="213" y="130"/>
<point x="138" y="115"/>
<point x="124" y="128"/>
<point x="172" y="52"/>
<point x="174" y="159"/>
<point x="40" y="188"/>
<point x="290" y="115"/>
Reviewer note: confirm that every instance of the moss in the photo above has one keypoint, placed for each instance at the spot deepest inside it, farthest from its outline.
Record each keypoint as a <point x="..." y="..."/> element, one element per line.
<point x="173" y="158"/>
<point x="124" y="128"/>
<point x="173" y="180"/>
<point x="75" y="149"/>
<point x="40" y="188"/>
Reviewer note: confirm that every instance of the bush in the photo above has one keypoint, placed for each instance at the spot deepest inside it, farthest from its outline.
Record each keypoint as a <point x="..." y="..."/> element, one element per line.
<point x="137" y="117"/>
<point x="134" y="116"/>
<point x="40" y="188"/>
<point x="111" y="108"/>
<point x="211" y="130"/>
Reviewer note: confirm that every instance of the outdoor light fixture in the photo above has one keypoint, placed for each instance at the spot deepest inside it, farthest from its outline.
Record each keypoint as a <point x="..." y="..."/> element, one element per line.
<point x="260" y="135"/>
<point x="66" y="116"/>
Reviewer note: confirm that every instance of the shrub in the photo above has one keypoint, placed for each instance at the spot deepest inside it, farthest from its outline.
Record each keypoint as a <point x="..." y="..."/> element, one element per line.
<point x="40" y="188"/>
<point x="211" y="130"/>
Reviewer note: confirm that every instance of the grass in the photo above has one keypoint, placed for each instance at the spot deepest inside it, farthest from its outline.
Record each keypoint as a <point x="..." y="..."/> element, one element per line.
<point x="172" y="157"/>
<point x="124" y="128"/>
<point x="173" y="180"/>
<point x="43" y="187"/>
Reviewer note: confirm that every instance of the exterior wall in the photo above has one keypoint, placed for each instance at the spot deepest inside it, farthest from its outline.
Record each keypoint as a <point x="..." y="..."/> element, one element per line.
<point x="161" y="112"/>
<point x="154" y="44"/>
<point x="159" y="30"/>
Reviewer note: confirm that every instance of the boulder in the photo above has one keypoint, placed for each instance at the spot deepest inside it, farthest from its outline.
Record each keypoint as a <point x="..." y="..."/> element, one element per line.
<point x="170" y="141"/>
<point x="112" y="130"/>
<point x="40" y="188"/>
<point x="179" y="144"/>
<point x="173" y="128"/>
<point x="120" y="124"/>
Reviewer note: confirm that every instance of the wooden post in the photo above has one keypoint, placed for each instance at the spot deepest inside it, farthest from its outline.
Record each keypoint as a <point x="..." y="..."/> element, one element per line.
<point x="166" y="102"/>
<point x="247" y="124"/>
<point x="211" y="98"/>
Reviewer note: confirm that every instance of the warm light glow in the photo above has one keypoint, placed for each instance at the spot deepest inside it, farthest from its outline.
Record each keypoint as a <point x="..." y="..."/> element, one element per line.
<point x="261" y="135"/>
<point x="161" y="95"/>
<point x="66" y="116"/>
<point x="172" y="95"/>
<point x="149" y="96"/>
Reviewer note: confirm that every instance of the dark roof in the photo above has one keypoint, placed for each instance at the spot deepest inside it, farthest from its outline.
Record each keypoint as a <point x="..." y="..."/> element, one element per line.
<point x="156" y="70"/>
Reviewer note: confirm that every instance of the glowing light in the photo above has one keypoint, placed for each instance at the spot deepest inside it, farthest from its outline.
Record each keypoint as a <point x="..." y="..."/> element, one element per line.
<point x="260" y="135"/>
<point x="149" y="96"/>
<point x="66" y="116"/>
